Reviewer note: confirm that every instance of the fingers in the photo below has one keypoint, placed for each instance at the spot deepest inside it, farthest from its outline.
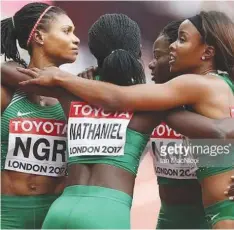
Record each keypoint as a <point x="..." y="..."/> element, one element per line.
<point x="36" y="70"/>
<point x="92" y="72"/>
<point x="80" y="74"/>
<point x="89" y="73"/>
<point x="29" y="72"/>
<point x="95" y="68"/>
<point x="230" y="190"/>
<point x="83" y="75"/>
<point x="34" y="81"/>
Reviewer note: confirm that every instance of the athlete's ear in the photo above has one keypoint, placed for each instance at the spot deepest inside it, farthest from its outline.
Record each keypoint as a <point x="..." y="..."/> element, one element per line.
<point x="38" y="37"/>
<point x="209" y="52"/>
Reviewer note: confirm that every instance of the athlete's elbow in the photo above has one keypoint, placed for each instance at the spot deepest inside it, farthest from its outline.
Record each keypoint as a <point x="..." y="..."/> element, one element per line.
<point x="224" y="133"/>
<point x="218" y="134"/>
<point x="229" y="135"/>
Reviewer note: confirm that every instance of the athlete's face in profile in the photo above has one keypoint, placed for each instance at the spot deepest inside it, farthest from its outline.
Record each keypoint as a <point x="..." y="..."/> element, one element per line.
<point x="160" y="63"/>
<point x="186" y="52"/>
<point x="60" y="42"/>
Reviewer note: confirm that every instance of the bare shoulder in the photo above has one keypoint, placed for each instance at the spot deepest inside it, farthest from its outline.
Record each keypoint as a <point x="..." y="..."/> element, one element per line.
<point x="199" y="83"/>
<point x="194" y="79"/>
<point x="217" y="83"/>
<point x="9" y="67"/>
<point x="6" y="96"/>
<point x="10" y="64"/>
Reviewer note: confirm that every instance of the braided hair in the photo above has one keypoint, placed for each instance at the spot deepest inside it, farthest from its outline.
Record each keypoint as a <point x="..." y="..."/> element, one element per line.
<point x="20" y="26"/>
<point x="114" y="39"/>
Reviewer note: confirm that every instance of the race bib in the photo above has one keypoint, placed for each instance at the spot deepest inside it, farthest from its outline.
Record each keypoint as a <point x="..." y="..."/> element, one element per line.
<point x="170" y="160"/>
<point x="92" y="131"/>
<point x="37" y="146"/>
<point x="232" y="111"/>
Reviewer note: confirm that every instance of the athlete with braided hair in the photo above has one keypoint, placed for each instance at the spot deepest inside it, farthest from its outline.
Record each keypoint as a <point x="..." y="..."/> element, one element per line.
<point x="95" y="179"/>
<point x="33" y="132"/>
<point x="104" y="176"/>
<point x="204" y="45"/>
<point x="180" y="193"/>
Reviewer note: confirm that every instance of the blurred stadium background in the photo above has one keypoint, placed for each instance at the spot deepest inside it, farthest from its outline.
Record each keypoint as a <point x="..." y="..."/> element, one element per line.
<point x="151" y="16"/>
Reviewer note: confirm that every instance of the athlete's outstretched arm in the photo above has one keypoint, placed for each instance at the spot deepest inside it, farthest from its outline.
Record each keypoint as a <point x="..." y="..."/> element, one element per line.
<point x="194" y="125"/>
<point x="10" y="78"/>
<point x="145" y="97"/>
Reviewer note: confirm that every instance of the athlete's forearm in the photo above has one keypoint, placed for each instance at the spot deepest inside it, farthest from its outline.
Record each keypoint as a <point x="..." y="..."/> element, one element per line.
<point x="87" y="89"/>
<point x="142" y="97"/>
<point x="194" y="125"/>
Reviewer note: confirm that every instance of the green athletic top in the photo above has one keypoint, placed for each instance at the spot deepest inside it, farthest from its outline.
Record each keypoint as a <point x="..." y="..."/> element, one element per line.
<point x="226" y="78"/>
<point x="134" y="147"/>
<point x="204" y="172"/>
<point x="23" y="110"/>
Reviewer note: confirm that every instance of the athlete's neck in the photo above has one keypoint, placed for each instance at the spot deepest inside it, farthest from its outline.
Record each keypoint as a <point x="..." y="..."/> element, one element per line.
<point x="207" y="71"/>
<point x="204" y="69"/>
<point x="40" y="59"/>
<point x="40" y="62"/>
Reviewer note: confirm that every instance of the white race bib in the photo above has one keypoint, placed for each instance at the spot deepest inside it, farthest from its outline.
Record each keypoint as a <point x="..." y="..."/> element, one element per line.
<point x="37" y="146"/>
<point x="163" y="141"/>
<point x="92" y="131"/>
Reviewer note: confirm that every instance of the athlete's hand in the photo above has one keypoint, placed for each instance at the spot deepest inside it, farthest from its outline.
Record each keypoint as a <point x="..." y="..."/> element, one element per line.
<point x="230" y="192"/>
<point x="44" y="77"/>
<point x="89" y="73"/>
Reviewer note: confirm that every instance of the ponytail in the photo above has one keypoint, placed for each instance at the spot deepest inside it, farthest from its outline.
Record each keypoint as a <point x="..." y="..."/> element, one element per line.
<point x="122" y="68"/>
<point x="8" y="41"/>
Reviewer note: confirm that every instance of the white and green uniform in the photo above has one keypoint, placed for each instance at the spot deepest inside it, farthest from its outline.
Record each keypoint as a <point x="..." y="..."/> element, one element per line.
<point x="171" y="171"/>
<point x="33" y="141"/>
<point x="222" y="210"/>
